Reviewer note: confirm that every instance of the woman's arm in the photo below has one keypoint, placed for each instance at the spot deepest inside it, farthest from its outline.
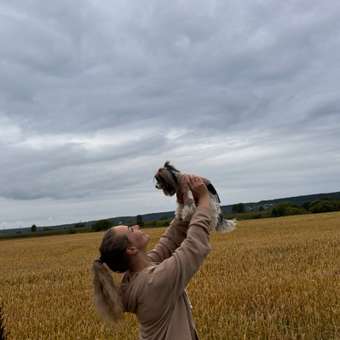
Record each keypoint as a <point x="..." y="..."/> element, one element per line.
<point x="169" y="241"/>
<point x="170" y="277"/>
<point x="175" y="233"/>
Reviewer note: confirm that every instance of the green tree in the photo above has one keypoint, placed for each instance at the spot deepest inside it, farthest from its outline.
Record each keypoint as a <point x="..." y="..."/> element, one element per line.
<point x="324" y="206"/>
<point x="33" y="228"/>
<point x="238" y="208"/>
<point x="102" y="225"/>
<point x="286" y="208"/>
<point x="162" y="223"/>
<point x="306" y="205"/>
<point x="139" y="220"/>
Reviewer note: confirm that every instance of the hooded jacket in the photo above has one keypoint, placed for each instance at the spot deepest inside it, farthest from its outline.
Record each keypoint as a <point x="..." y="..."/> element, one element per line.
<point x="157" y="293"/>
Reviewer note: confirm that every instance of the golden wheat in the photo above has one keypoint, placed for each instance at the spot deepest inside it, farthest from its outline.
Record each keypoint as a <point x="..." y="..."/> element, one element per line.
<point x="270" y="279"/>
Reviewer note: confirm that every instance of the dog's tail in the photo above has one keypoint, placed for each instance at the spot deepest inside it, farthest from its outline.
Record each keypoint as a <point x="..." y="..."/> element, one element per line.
<point x="226" y="226"/>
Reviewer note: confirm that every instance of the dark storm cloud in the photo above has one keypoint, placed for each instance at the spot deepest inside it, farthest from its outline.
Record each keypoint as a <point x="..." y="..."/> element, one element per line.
<point x="94" y="96"/>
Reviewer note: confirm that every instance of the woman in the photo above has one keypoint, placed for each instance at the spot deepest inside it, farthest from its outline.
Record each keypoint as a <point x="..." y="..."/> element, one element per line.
<point x="153" y="286"/>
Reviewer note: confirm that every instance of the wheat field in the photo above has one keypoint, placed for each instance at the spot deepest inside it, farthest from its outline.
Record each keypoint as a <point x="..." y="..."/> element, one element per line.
<point x="270" y="279"/>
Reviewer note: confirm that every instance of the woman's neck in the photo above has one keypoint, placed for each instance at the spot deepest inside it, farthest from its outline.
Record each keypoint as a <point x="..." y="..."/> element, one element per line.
<point x="139" y="262"/>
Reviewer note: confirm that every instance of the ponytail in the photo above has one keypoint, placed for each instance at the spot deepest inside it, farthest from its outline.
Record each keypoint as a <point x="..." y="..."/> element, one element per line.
<point x="107" y="297"/>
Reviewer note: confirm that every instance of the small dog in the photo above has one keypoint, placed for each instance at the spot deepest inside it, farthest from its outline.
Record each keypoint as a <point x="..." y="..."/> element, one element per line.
<point x="168" y="179"/>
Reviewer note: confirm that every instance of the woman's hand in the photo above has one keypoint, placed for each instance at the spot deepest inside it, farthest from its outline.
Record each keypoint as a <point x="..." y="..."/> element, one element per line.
<point x="199" y="190"/>
<point x="198" y="187"/>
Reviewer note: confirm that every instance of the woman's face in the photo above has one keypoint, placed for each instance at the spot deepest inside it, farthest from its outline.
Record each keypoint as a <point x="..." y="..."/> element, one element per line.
<point x="136" y="236"/>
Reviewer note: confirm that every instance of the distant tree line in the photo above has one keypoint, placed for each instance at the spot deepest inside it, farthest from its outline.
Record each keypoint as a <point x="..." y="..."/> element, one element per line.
<point x="240" y="211"/>
<point x="139" y="220"/>
<point x="313" y="207"/>
<point x="238" y="208"/>
<point x="285" y="208"/>
<point x="102" y="225"/>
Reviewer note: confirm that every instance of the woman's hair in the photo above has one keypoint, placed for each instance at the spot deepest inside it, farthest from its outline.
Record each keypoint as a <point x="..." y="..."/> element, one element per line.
<point x="107" y="297"/>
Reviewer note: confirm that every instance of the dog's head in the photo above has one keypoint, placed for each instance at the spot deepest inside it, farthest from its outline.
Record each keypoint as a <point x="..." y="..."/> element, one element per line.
<point x="167" y="179"/>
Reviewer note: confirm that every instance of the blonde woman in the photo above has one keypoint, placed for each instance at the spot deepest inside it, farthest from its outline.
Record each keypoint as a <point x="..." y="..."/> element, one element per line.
<point x="153" y="284"/>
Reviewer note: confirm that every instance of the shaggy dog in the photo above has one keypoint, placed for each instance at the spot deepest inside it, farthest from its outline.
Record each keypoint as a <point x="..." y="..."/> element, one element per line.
<point x="169" y="179"/>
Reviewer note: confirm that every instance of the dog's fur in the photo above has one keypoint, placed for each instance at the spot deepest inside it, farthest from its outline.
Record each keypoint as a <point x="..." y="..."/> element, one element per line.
<point x="168" y="179"/>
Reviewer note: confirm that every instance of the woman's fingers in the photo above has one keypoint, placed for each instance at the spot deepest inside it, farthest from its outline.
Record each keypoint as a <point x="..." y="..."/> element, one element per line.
<point x="194" y="181"/>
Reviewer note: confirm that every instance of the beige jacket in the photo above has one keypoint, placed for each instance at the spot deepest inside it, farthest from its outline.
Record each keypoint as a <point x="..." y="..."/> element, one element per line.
<point x="157" y="294"/>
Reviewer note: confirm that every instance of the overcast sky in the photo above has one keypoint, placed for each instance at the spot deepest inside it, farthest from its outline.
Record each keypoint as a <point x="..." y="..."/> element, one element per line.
<point x="96" y="95"/>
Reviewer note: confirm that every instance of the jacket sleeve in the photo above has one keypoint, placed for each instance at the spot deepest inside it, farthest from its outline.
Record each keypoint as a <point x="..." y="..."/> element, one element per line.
<point x="169" y="279"/>
<point x="169" y="241"/>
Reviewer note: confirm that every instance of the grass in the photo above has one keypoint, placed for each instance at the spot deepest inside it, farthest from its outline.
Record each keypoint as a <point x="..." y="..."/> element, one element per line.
<point x="2" y="323"/>
<point x="274" y="278"/>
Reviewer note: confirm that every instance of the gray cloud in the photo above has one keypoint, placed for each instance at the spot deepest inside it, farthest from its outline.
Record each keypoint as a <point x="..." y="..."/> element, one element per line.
<point x="94" y="96"/>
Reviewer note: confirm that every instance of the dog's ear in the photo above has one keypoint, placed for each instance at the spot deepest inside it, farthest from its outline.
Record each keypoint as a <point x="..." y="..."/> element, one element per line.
<point x="170" y="167"/>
